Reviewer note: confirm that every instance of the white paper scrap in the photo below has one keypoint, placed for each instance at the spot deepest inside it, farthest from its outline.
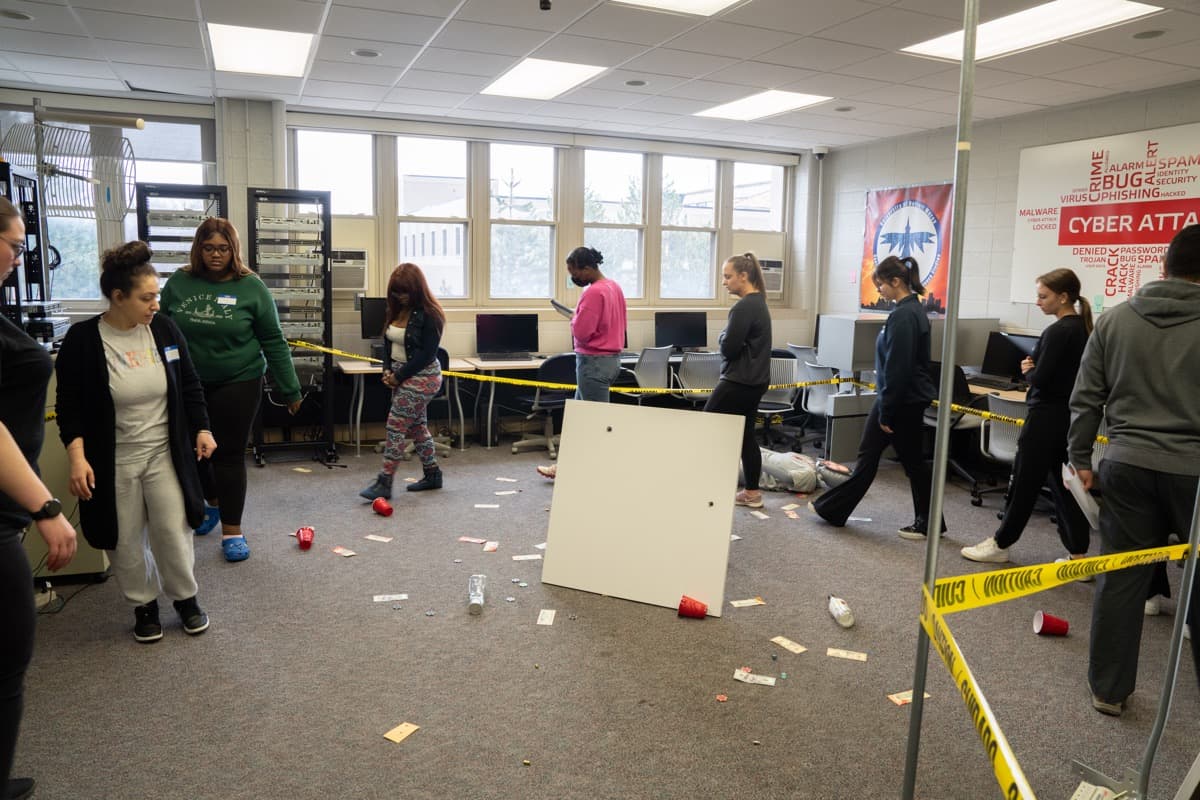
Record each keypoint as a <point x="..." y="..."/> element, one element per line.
<point x="750" y="677"/>
<point x="486" y="505"/>
<point x="529" y="557"/>
<point x="788" y="644"/>
<point x="389" y="598"/>
<point x="374" y="537"/>
<point x="507" y="480"/>
<point x="789" y="507"/>
<point x="733" y="537"/>
<point x="541" y="546"/>
<point x="752" y="601"/>
<point x="758" y="514"/>
<point x="546" y="616"/>
<point x="851" y="655"/>
<point x="506" y="491"/>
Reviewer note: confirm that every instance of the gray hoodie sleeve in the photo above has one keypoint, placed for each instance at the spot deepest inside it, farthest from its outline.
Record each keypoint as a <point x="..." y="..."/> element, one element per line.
<point x="1087" y="401"/>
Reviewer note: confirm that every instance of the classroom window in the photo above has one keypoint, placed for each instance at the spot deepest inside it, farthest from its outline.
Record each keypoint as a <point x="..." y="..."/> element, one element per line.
<point x="521" y="190"/>
<point x="340" y="163"/>
<point x="757" y="197"/>
<point x="445" y="272"/>
<point x="614" y="215"/>
<point x="687" y="266"/>
<point x="431" y="186"/>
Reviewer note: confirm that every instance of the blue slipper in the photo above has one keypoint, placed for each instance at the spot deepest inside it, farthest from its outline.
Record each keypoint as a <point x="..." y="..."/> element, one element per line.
<point x="235" y="548"/>
<point x="212" y="517"/>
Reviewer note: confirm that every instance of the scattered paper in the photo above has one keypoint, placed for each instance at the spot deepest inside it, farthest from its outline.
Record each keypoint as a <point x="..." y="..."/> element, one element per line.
<point x="1087" y="791"/>
<point x="507" y="480"/>
<point x="401" y="732"/>
<point x="486" y="505"/>
<point x="529" y="557"/>
<point x="859" y="519"/>
<point x="389" y="598"/>
<point x="748" y="677"/>
<point x="837" y="652"/>
<point x="753" y="601"/>
<point x="789" y="507"/>
<point x="904" y="698"/>
<point x="344" y="551"/>
<point x="471" y="539"/>
<point x="541" y="546"/>
<point x="546" y="616"/>
<point x="410" y="480"/>
<point x="374" y="537"/>
<point x="301" y="469"/>
<point x="791" y="515"/>
<point x="733" y="537"/>
<point x="490" y="547"/>
<point x="758" y="514"/>
<point x="788" y="644"/>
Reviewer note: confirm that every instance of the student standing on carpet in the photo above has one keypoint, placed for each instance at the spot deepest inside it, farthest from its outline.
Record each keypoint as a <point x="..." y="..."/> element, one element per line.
<point x="232" y="328"/>
<point x="1042" y="446"/>
<point x="745" y="346"/>
<point x="905" y="390"/>
<point x="25" y="369"/>
<point x="415" y="321"/>
<point x="131" y="415"/>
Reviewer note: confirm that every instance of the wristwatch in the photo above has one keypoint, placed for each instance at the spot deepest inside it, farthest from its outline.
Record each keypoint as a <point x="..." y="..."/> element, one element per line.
<point x="51" y="508"/>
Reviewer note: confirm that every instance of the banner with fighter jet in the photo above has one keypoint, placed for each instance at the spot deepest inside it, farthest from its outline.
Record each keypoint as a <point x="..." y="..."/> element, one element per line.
<point x="908" y="221"/>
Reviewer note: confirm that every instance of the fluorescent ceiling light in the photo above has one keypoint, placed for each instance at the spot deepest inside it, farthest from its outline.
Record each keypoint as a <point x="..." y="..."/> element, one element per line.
<point x="260" y="51"/>
<point x="541" y="79"/>
<point x="1034" y="27"/>
<point x="763" y="104"/>
<point x="705" y="8"/>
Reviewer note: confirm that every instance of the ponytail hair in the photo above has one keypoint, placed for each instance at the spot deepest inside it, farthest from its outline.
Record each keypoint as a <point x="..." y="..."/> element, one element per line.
<point x="1065" y="281"/>
<point x="746" y="264"/>
<point x="906" y="269"/>
<point x="585" y="258"/>
<point x="121" y="266"/>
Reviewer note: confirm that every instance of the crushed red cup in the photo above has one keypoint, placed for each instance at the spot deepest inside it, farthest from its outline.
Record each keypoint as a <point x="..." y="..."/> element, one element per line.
<point x="304" y="537"/>
<point x="382" y="507"/>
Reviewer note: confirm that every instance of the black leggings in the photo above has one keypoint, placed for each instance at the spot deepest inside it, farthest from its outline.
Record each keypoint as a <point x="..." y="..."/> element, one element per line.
<point x="738" y="398"/>
<point x="231" y="411"/>
<point x="17" y="620"/>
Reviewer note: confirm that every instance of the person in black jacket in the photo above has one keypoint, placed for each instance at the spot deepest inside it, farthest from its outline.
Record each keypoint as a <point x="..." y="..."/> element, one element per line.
<point x="745" y="363"/>
<point x="1042" y="446"/>
<point x="131" y="413"/>
<point x="905" y="390"/>
<point x="413" y="330"/>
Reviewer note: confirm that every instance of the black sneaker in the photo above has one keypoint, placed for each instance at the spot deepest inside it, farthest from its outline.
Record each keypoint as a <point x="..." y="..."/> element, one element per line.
<point x="18" y="789"/>
<point x="916" y="531"/>
<point x="195" y="621"/>
<point x="146" y="627"/>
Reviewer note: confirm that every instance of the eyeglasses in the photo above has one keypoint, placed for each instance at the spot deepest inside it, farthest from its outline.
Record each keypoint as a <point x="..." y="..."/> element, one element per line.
<point x="209" y="249"/>
<point x="17" y="247"/>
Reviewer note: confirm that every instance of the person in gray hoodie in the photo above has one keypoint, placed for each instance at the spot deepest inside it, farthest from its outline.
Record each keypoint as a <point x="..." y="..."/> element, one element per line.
<point x="1141" y="374"/>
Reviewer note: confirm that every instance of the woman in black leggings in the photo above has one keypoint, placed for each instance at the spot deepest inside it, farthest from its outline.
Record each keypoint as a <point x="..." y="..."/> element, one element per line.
<point x="745" y="363"/>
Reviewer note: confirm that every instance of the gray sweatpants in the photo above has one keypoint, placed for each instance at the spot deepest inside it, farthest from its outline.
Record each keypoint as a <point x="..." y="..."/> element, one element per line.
<point x="154" y="540"/>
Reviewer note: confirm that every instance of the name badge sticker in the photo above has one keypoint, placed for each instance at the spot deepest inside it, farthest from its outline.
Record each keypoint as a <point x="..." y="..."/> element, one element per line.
<point x="171" y="353"/>
<point x="226" y="300"/>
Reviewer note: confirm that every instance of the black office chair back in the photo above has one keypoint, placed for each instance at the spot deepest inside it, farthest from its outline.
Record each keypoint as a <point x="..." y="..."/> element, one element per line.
<point x="558" y="369"/>
<point x="960" y="390"/>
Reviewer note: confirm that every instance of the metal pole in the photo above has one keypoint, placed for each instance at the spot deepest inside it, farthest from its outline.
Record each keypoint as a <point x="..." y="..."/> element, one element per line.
<point x="966" y="91"/>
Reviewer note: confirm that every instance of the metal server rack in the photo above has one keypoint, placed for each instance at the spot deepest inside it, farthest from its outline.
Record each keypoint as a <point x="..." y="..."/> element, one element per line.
<point x="168" y="215"/>
<point x="288" y="246"/>
<point x="25" y="291"/>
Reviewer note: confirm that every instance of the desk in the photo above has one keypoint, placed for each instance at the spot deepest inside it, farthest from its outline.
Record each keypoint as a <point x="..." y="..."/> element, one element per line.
<point x="491" y="368"/>
<point x="358" y="369"/>
<point x="1006" y="394"/>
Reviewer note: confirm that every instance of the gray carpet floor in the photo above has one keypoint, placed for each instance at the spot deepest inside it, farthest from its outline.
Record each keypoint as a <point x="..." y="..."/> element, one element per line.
<point x="289" y="693"/>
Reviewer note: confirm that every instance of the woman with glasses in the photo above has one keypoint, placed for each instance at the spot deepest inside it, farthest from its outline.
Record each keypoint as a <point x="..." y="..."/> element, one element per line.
<point x="232" y="328"/>
<point x="25" y="369"/>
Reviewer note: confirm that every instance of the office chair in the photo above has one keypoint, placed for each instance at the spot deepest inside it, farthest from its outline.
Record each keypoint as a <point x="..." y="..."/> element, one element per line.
<point x="778" y="401"/>
<point x="442" y="445"/>
<point x="652" y="371"/>
<point x="803" y="353"/>
<point x="698" y="371"/>
<point x="960" y="394"/>
<point x="998" y="440"/>
<point x="816" y="398"/>
<point x="544" y="402"/>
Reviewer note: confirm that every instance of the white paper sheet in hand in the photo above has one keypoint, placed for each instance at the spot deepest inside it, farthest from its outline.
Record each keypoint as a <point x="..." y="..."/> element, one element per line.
<point x="1087" y="503"/>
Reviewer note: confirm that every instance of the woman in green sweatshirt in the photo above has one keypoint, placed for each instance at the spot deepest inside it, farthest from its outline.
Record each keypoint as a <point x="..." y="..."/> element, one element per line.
<point x="232" y="328"/>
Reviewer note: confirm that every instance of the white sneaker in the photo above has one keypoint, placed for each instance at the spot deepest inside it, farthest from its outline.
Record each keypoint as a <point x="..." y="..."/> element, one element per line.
<point x="986" y="552"/>
<point x="1153" y="607"/>
<point x="1066" y="560"/>
<point x="840" y="612"/>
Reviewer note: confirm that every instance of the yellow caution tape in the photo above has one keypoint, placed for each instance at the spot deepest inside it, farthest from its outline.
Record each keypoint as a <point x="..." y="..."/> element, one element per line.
<point x="332" y="351"/>
<point x="1008" y="772"/>
<point x="965" y="592"/>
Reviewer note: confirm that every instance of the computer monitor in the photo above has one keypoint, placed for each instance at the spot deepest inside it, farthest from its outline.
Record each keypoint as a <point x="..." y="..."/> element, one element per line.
<point x="515" y="334"/>
<point x="373" y="316"/>
<point x="1004" y="354"/>
<point x="681" y="329"/>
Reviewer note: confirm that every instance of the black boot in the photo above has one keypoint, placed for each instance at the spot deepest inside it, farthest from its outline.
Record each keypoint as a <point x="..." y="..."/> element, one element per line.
<point x="432" y="480"/>
<point x="382" y="487"/>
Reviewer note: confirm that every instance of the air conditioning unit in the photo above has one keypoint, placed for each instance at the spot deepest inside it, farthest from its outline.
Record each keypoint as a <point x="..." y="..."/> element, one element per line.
<point x="349" y="268"/>
<point x="772" y="278"/>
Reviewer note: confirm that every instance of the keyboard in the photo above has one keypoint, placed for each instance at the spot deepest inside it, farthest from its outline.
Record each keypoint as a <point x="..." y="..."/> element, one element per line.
<point x="995" y="382"/>
<point x="503" y="356"/>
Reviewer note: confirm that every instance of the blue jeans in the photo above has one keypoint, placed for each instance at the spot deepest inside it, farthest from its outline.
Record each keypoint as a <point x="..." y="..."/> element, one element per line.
<point x="593" y="376"/>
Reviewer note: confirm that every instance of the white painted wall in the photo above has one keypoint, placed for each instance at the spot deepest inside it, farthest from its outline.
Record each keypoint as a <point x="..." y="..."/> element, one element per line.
<point x="991" y="192"/>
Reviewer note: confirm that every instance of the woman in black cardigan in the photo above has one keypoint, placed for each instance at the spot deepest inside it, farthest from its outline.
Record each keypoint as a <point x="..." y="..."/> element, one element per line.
<point x="130" y="411"/>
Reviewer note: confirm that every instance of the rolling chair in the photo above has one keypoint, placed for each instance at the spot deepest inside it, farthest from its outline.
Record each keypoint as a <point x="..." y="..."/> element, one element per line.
<point x="442" y="445"/>
<point x="778" y="401"/>
<point x="998" y="440"/>
<point x="544" y="402"/>
<point x="959" y="421"/>
<point x="698" y="371"/>
<point x="816" y="398"/>
<point x="803" y="353"/>
<point x="652" y="371"/>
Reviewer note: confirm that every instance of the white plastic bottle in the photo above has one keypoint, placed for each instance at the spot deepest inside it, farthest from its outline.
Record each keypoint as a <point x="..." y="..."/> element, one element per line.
<point x="475" y="593"/>
<point x="840" y="612"/>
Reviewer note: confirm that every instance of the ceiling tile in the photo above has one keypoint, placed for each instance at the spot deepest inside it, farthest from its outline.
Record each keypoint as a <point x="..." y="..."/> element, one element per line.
<point x="1147" y="82"/>
<point x="797" y="16"/>
<point x="893" y="67"/>
<point x="953" y="9"/>
<point x="820" y="54"/>
<point x="429" y="8"/>
<point x="286" y="15"/>
<point x="420" y="97"/>
<point x="174" y="9"/>
<point x="483" y="117"/>
<point x="464" y="61"/>
<point x="1177" y="27"/>
<point x="409" y="111"/>
<point x="626" y="24"/>
<point x="1051" y="58"/>
<point x="270" y="85"/>
<point x="834" y="85"/>
<point x="989" y="108"/>
<point x="78" y="82"/>
<point x="673" y="105"/>
<point x="599" y="97"/>
<point x="14" y="41"/>
<point x="152" y="54"/>
<point x="565" y="111"/>
<point x="712" y="92"/>
<point x="679" y="62"/>
<point x="337" y="48"/>
<point x="353" y="73"/>
<point x="616" y="79"/>
<point x="366" y="23"/>
<point x="510" y="105"/>
<point x="904" y="96"/>
<point x="338" y="103"/>
<point x="489" y="38"/>
<point x="350" y="91"/>
<point x="1184" y="55"/>
<point x="1118" y="70"/>
<point x="443" y="81"/>
<point x="890" y="28"/>
<point x="195" y="82"/>
<point x="984" y="78"/>
<point x="702" y="124"/>
<point x="585" y="50"/>
<point x="57" y="65"/>
<point x="760" y="75"/>
<point x="631" y="116"/>
<point x="46" y="18"/>
<point x="724" y="37"/>
<point x="524" y="13"/>
<point x="136" y="28"/>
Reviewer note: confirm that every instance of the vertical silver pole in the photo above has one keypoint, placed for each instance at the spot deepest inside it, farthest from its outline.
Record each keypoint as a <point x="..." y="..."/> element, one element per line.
<point x="966" y="96"/>
<point x="40" y="170"/>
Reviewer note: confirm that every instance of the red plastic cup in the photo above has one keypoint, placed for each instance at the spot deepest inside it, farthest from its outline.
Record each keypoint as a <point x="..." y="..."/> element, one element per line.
<point x="382" y="507"/>
<point x="1046" y="625"/>
<point x="304" y="537"/>
<point x="691" y="607"/>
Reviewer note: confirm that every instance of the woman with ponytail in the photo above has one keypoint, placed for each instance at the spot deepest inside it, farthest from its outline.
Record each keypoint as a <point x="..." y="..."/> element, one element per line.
<point x="1042" y="446"/>
<point x="905" y="390"/>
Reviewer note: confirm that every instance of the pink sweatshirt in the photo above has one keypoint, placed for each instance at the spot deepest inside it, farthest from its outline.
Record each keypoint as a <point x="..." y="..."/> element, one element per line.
<point x="598" y="326"/>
